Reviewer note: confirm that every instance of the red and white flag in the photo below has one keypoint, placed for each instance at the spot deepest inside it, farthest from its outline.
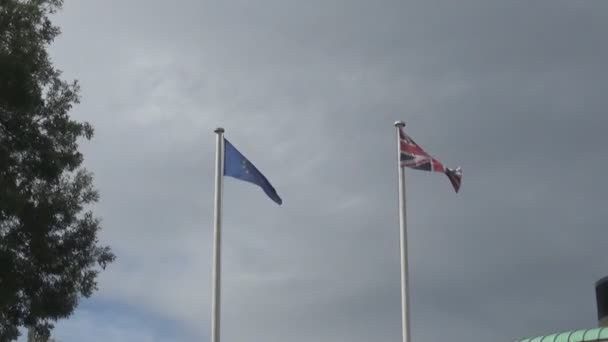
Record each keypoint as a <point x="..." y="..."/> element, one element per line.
<point x="413" y="156"/>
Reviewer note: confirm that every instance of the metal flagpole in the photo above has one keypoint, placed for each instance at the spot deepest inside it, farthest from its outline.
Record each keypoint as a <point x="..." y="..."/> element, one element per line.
<point x="405" y="299"/>
<point x="217" y="236"/>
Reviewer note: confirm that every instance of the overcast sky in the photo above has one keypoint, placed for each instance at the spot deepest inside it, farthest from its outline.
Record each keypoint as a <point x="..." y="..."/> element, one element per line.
<point x="515" y="92"/>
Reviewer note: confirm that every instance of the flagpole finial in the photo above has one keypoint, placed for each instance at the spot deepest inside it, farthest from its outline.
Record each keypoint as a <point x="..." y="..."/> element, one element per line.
<point x="399" y="124"/>
<point x="219" y="130"/>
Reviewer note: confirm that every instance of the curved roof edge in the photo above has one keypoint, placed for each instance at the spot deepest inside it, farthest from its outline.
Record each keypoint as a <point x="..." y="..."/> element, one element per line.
<point x="601" y="281"/>
<point x="585" y="335"/>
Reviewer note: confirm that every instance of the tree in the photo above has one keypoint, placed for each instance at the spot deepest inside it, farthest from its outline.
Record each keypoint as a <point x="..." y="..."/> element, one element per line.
<point x="49" y="252"/>
<point x="32" y="336"/>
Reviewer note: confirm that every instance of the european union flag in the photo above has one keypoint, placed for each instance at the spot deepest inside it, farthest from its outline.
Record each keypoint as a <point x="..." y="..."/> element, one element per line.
<point x="237" y="166"/>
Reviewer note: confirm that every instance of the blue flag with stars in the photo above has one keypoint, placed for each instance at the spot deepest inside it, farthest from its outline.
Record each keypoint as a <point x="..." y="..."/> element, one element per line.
<point x="237" y="166"/>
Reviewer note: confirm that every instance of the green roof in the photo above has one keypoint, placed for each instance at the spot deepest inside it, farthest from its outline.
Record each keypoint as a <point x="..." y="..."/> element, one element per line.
<point x="596" y="334"/>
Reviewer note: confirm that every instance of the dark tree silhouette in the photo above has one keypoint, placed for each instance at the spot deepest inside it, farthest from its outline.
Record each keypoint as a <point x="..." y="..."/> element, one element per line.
<point x="49" y="252"/>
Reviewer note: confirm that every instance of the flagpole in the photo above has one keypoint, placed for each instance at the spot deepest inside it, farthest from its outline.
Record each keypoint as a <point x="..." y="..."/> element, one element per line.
<point x="405" y="300"/>
<point x="217" y="236"/>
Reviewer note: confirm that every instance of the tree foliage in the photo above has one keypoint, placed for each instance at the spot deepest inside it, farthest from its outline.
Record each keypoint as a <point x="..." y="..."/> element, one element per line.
<point x="49" y="252"/>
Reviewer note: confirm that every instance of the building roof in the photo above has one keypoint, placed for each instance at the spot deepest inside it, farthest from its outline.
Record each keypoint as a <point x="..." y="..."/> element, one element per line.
<point x="587" y="335"/>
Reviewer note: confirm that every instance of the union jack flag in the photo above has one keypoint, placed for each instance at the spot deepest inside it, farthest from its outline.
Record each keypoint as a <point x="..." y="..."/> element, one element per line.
<point x="413" y="156"/>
